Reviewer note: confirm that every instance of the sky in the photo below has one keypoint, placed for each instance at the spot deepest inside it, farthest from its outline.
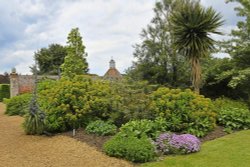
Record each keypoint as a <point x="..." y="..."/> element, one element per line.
<point x="109" y="29"/>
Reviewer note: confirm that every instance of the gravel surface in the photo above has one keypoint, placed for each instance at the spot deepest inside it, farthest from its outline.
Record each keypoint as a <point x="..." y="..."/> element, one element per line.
<point x="20" y="150"/>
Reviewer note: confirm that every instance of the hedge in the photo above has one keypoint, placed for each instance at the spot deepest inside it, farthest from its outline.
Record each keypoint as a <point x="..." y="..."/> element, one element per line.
<point x="4" y="91"/>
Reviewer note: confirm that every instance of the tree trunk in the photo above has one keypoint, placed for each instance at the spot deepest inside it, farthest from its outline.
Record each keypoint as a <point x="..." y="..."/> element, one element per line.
<point x="196" y="74"/>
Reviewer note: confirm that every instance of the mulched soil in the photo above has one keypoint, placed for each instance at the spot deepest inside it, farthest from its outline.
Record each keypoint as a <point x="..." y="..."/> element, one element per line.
<point x="98" y="141"/>
<point x="216" y="133"/>
<point x="90" y="139"/>
<point x="20" y="150"/>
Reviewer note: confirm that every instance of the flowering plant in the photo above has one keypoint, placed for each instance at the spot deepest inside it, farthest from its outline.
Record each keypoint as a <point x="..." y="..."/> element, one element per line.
<point x="168" y="143"/>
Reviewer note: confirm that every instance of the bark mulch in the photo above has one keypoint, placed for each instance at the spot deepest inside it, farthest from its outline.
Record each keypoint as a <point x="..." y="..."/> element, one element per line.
<point x="216" y="133"/>
<point x="20" y="150"/>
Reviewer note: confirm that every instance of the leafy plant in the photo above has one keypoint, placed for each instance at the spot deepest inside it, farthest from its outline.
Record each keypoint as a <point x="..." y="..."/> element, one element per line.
<point x="185" y="111"/>
<point x="168" y="143"/>
<point x="234" y="118"/>
<point x="101" y="128"/>
<point x="130" y="148"/>
<point x="72" y="103"/>
<point x="34" y="122"/>
<point x="144" y="128"/>
<point x="223" y="103"/>
<point x="18" y="105"/>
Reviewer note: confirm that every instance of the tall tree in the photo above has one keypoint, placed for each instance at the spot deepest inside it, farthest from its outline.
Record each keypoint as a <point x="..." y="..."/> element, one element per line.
<point x="156" y="59"/>
<point x="50" y="59"/>
<point x="192" y="27"/>
<point x="239" y="49"/>
<point x="75" y="62"/>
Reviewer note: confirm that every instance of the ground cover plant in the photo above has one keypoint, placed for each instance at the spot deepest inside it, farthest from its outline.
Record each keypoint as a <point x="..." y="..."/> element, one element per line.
<point x="168" y="143"/>
<point x="232" y="114"/>
<point x="101" y="128"/>
<point x="231" y="150"/>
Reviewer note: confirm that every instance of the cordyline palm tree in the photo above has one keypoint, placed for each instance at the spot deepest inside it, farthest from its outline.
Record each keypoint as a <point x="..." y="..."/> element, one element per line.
<point x="192" y="26"/>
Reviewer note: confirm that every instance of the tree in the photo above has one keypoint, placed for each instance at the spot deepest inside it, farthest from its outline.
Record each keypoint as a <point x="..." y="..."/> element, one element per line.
<point x="75" y="62"/>
<point x="157" y="60"/>
<point x="239" y="49"/>
<point x="192" y="27"/>
<point x="50" y="59"/>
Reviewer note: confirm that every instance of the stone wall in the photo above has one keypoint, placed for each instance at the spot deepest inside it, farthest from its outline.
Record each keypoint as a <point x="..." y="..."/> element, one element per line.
<point x="20" y="84"/>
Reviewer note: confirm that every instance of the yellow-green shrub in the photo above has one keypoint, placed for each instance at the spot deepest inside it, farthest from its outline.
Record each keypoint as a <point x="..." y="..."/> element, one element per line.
<point x="185" y="111"/>
<point x="72" y="103"/>
<point x="18" y="105"/>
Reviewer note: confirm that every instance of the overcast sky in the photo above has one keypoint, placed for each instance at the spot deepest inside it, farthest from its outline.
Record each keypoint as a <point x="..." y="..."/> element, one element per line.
<point x="109" y="28"/>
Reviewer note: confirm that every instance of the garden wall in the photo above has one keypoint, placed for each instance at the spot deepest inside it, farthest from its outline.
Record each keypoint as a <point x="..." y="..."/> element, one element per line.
<point x="20" y="84"/>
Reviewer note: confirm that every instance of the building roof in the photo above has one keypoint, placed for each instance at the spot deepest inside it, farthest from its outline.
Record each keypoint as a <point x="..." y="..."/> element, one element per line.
<point x="112" y="73"/>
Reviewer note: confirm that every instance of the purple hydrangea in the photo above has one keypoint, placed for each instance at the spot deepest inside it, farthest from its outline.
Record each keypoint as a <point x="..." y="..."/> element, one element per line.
<point x="172" y="143"/>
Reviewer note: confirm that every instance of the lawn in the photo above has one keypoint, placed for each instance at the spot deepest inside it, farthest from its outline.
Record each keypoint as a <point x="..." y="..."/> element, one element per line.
<point x="230" y="151"/>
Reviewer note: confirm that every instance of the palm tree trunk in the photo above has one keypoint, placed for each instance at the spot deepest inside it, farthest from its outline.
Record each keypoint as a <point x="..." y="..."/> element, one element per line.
<point x="196" y="74"/>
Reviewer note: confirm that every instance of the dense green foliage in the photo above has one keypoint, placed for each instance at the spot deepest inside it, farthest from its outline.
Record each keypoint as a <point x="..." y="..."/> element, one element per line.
<point x="185" y="111"/>
<point x="70" y="103"/>
<point x="75" y="62"/>
<point x="101" y="128"/>
<point x="234" y="118"/>
<point x="50" y="59"/>
<point x="4" y="91"/>
<point x="157" y="60"/>
<point x="130" y="99"/>
<point x="130" y="148"/>
<point x="237" y="77"/>
<point x="224" y="103"/>
<point x="144" y="128"/>
<point x="18" y="105"/>
<point x="233" y="115"/>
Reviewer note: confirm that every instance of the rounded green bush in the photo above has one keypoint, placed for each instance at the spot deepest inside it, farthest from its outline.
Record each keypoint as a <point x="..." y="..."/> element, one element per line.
<point x="18" y="105"/>
<point x="184" y="110"/>
<point x="130" y="148"/>
<point x="101" y="128"/>
<point x="71" y="103"/>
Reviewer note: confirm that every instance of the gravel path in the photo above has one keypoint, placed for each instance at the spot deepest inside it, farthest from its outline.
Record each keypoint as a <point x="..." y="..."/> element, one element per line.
<point x="20" y="150"/>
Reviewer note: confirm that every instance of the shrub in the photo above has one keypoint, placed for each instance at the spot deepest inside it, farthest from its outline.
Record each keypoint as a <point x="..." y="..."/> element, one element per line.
<point x="144" y="128"/>
<point x="133" y="101"/>
<point x="4" y="91"/>
<point x="168" y="143"/>
<point x="130" y="148"/>
<point x="232" y="114"/>
<point x="223" y="103"/>
<point x="101" y="128"/>
<point x="185" y="111"/>
<point x="70" y="103"/>
<point x="18" y="105"/>
<point x="234" y="118"/>
<point x="32" y="125"/>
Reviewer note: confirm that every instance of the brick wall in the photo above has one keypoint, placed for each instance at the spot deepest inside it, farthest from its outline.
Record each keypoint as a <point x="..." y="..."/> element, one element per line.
<point x="20" y="84"/>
